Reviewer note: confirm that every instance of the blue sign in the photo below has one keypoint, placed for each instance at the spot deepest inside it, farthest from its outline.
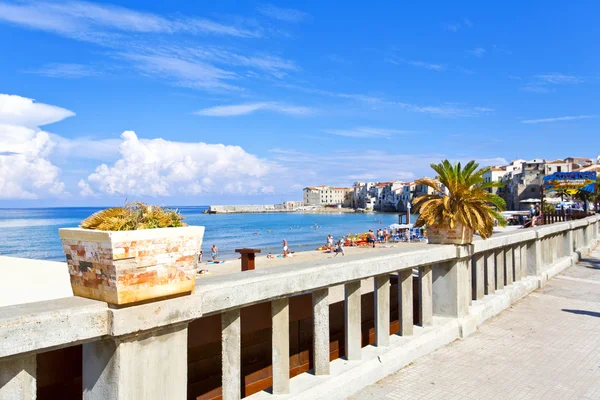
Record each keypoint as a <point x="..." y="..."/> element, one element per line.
<point x="570" y="182"/>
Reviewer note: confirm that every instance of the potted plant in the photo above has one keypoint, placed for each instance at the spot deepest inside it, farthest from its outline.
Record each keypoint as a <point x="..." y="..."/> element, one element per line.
<point x="129" y="254"/>
<point x="460" y="206"/>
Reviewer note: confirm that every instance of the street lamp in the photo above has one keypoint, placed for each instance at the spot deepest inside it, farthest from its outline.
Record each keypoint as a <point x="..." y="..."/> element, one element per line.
<point x="408" y="206"/>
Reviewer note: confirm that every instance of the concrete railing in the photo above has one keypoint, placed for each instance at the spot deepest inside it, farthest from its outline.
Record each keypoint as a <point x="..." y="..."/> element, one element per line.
<point x="141" y="352"/>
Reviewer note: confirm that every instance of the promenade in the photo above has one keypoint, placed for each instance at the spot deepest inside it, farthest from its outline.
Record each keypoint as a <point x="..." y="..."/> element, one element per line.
<point x="546" y="346"/>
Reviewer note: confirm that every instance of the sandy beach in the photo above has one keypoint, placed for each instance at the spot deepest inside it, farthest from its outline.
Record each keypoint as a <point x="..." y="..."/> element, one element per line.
<point x="235" y="265"/>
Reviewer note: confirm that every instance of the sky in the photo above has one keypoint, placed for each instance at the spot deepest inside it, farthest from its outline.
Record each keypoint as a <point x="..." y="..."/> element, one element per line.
<point x="239" y="102"/>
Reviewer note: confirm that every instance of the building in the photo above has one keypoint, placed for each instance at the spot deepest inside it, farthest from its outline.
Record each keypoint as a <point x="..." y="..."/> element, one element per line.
<point x="388" y="195"/>
<point x="560" y="166"/>
<point x="582" y="162"/>
<point x="292" y="205"/>
<point x="524" y="182"/>
<point x="326" y="196"/>
<point x="495" y="174"/>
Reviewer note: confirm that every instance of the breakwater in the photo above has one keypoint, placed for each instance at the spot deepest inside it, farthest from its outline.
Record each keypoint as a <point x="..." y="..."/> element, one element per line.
<point x="264" y="208"/>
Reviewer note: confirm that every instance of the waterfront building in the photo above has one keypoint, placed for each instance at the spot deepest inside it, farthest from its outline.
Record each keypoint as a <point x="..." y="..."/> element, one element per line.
<point x="326" y="196"/>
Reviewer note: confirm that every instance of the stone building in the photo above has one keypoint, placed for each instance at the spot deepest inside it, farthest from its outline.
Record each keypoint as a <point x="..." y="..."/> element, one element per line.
<point x="524" y="183"/>
<point x="326" y="196"/>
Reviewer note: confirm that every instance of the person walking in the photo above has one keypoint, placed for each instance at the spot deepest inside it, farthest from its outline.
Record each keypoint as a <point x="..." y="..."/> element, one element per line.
<point x="340" y="249"/>
<point x="214" y="252"/>
<point x="286" y="250"/>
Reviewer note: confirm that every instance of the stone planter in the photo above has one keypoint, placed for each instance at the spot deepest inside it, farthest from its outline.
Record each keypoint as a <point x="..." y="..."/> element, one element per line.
<point x="443" y="234"/>
<point x="125" y="267"/>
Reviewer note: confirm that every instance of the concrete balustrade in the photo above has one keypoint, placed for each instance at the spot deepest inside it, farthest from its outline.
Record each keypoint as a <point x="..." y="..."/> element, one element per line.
<point x="426" y="295"/>
<point x="141" y="352"/>
<point x="352" y="326"/>
<point x="320" y="300"/>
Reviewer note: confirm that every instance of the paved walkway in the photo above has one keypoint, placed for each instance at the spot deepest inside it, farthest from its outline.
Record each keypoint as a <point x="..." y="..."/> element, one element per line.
<point x="547" y="346"/>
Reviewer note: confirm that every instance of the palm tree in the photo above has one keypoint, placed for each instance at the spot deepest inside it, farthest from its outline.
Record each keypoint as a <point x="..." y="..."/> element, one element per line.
<point x="468" y="203"/>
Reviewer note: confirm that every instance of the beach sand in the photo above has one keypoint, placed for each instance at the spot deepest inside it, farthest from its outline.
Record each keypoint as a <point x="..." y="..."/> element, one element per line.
<point x="235" y="265"/>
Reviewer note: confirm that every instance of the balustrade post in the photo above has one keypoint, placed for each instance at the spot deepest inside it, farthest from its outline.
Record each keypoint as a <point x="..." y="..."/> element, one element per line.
<point x="479" y="278"/>
<point x="426" y="295"/>
<point x="382" y="310"/>
<point x="321" y="351"/>
<point x="18" y="378"/>
<point x="534" y="257"/>
<point x="405" y="302"/>
<point x="523" y="260"/>
<point x="352" y="321"/>
<point x="499" y="269"/>
<point x="231" y="354"/>
<point x="149" y="365"/>
<point x="508" y="261"/>
<point x="518" y="267"/>
<point x="490" y="272"/>
<point x="451" y="292"/>
<point x="280" y="345"/>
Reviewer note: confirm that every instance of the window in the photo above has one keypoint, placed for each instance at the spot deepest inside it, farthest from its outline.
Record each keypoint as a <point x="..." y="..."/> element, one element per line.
<point x="558" y="169"/>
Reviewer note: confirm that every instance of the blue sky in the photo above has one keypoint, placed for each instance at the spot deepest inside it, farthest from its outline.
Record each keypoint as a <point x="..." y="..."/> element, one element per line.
<point x="247" y="102"/>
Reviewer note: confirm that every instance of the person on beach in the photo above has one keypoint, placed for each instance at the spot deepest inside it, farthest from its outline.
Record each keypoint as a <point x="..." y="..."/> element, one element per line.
<point x="270" y="255"/>
<point x="214" y="252"/>
<point x="371" y="237"/>
<point x="286" y="250"/>
<point x="386" y="235"/>
<point x="200" y="257"/>
<point x="340" y="248"/>
<point x="330" y="243"/>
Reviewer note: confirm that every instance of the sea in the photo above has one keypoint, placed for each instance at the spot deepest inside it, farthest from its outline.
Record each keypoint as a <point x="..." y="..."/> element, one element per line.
<point x="33" y="232"/>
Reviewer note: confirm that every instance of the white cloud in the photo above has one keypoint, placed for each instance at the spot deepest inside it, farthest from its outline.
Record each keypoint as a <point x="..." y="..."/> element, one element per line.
<point x="545" y="83"/>
<point x="158" y="167"/>
<point x="25" y="169"/>
<point x="85" y="189"/>
<point x="443" y="110"/>
<point x="193" y="74"/>
<point x="22" y="111"/>
<point x="536" y="88"/>
<point x="68" y="71"/>
<point x="557" y="119"/>
<point x="477" y="52"/>
<point x="283" y="14"/>
<point x="249" y="108"/>
<point x="420" y="64"/>
<point x="452" y="27"/>
<point x="559" y="79"/>
<point x="365" y="132"/>
<point x="85" y="21"/>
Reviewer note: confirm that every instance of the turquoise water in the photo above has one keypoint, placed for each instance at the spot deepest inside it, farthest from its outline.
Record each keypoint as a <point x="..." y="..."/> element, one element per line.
<point x="33" y="233"/>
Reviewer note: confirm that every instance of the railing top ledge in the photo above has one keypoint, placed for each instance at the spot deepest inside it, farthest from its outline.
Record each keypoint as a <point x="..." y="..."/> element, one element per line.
<point x="503" y="240"/>
<point x="224" y="292"/>
<point x="47" y="324"/>
<point x="582" y="222"/>
<point x="552" y="229"/>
